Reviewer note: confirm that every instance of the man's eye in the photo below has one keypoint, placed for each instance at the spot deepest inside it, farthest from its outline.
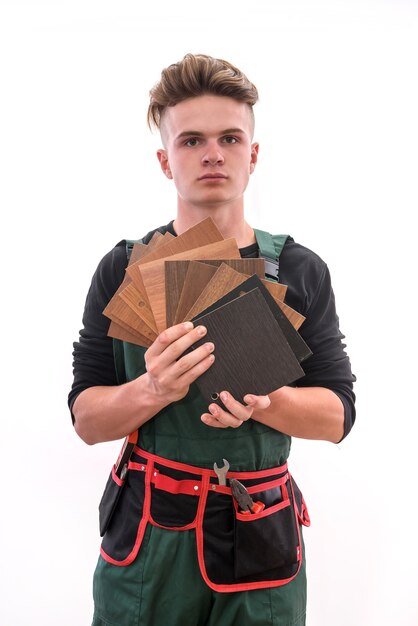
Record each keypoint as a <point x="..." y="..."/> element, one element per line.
<point x="193" y="141"/>
<point x="230" y="139"/>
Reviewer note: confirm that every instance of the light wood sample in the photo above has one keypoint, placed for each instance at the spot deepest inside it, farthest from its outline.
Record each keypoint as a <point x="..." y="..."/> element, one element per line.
<point x="153" y="273"/>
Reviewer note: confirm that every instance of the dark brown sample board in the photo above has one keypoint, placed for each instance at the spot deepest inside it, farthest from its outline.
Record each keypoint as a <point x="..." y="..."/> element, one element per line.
<point x="251" y="351"/>
<point x="295" y="341"/>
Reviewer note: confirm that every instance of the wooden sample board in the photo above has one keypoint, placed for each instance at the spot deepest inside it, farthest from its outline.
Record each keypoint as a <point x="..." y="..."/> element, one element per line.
<point x="295" y="341"/>
<point x="153" y="274"/>
<point x="251" y="351"/>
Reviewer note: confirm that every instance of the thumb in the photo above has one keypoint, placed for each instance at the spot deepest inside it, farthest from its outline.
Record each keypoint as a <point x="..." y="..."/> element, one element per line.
<point x="257" y="402"/>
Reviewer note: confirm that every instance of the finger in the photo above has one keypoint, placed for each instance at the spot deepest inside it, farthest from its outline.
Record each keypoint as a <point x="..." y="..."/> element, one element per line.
<point x="225" y="418"/>
<point x="164" y="339"/>
<point x="172" y="342"/>
<point x="193" y="365"/>
<point x="257" y="402"/>
<point x="234" y="407"/>
<point x="211" y="420"/>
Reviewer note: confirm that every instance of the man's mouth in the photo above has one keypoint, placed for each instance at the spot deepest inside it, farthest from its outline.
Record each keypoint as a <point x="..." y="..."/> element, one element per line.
<point x="212" y="175"/>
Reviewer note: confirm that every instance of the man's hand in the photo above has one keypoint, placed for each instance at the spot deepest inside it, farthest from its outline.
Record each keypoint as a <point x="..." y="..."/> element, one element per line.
<point x="237" y="413"/>
<point x="169" y="376"/>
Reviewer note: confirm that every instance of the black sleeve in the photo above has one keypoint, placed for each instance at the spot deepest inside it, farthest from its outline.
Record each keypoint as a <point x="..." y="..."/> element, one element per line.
<point x="93" y="353"/>
<point x="310" y="292"/>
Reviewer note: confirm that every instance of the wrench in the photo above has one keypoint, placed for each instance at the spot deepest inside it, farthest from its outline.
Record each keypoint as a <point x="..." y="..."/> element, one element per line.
<point x="221" y="472"/>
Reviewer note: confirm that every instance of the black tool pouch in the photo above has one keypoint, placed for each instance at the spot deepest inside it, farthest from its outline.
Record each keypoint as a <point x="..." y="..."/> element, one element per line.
<point x="269" y="540"/>
<point x="115" y="483"/>
<point x="109" y="500"/>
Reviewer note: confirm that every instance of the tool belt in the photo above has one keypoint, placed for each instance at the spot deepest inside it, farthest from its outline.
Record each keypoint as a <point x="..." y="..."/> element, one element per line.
<point x="236" y="551"/>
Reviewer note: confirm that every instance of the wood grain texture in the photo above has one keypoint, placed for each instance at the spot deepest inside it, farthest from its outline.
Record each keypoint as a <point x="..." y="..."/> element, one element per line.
<point x="131" y="296"/>
<point x="139" y="251"/>
<point x="157" y="242"/>
<point x="277" y="290"/>
<point x="174" y="275"/>
<point x="243" y="266"/>
<point x="224" y="279"/>
<point x="153" y="273"/>
<point x="293" y="316"/>
<point x="126" y="317"/>
<point x="119" y="329"/>
<point x="251" y="351"/>
<point x="195" y="281"/>
<point x="116" y="331"/>
<point x="201" y="234"/>
<point x="295" y="341"/>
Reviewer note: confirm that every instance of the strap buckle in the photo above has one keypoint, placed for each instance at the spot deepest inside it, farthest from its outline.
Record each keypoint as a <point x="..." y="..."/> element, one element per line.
<point x="271" y="268"/>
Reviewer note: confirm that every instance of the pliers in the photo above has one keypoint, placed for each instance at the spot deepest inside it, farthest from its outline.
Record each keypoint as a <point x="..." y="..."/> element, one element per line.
<point x="246" y="504"/>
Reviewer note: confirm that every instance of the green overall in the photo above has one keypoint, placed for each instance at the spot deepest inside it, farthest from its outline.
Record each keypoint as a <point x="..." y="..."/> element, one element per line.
<point x="163" y="586"/>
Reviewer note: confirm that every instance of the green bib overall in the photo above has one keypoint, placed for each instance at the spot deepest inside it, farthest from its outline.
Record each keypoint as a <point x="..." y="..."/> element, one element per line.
<point x="163" y="586"/>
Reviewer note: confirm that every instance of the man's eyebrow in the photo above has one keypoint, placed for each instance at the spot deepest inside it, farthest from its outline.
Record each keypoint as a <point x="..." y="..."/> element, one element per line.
<point x="197" y="133"/>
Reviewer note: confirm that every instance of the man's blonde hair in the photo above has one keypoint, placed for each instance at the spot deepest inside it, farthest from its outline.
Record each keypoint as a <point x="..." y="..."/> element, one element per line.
<point x="198" y="75"/>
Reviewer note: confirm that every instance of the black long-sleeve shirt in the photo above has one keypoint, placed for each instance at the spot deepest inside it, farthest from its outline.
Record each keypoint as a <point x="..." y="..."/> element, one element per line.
<point x="309" y="292"/>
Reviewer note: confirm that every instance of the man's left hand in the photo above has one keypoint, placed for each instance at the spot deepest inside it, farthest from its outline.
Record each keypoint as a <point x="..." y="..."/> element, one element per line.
<point x="236" y="412"/>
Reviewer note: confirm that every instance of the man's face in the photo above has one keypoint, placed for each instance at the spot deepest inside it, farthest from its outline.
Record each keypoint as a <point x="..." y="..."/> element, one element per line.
<point x="208" y="150"/>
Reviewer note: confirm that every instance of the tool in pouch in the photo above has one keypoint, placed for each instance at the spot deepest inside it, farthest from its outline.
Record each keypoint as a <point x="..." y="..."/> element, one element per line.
<point x="246" y="504"/>
<point x="221" y="472"/>
<point x="116" y="482"/>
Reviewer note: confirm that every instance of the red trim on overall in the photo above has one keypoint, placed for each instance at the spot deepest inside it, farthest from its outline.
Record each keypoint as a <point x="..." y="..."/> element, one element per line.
<point x="304" y="515"/>
<point x="116" y="478"/>
<point x="244" y="517"/>
<point x="188" y="487"/>
<point x="226" y="588"/>
<point x="142" y="525"/>
<point x="192" y="469"/>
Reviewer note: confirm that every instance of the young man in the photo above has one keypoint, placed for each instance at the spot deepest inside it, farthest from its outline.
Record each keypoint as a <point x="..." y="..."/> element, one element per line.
<point x="176" y="551"/>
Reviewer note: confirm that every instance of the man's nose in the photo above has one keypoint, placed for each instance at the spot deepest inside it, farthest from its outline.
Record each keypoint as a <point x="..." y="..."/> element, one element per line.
<point x="212" y="155"/>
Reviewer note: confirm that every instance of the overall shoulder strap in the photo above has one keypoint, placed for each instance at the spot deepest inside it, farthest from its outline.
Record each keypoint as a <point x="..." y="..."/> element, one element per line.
<point x="129" y="245"/>
<point x="271" y="247"/>
<point x="118" y="349"/>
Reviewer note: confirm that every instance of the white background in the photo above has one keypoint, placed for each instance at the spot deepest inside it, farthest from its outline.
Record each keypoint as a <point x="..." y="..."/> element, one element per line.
<point x="337" y="124"/>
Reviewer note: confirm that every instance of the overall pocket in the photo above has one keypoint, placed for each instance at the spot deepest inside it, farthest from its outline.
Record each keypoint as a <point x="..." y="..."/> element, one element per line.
<point x="127" y="523"/>
<point x="267" y="541"/>
<point x="174" y="497"/>
<point x="109" y="500"/>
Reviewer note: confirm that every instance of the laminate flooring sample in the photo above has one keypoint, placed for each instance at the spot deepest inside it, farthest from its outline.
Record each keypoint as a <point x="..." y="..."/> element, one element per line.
<point x="293" y="338"/>
<point x="251" y="351"/>
<point x="117" y="331"/>
<point x="202" y="234"/>
<point x="224" y="279"/>
<point x="153" y="273"/>
<point x="175" y="273"/>
<point x="198" y="275"/>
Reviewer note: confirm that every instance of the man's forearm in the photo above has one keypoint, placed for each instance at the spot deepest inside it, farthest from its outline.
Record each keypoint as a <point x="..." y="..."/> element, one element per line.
<point x="305" y="412"/>
<point x="109" y="413"/>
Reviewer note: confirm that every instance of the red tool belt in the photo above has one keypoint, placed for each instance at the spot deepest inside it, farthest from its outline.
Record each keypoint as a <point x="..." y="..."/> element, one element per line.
<point x="236" y="551"/>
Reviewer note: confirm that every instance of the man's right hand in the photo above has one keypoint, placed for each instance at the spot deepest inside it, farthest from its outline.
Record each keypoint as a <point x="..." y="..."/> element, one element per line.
<point x="169" y="374"/>
<point x="107" y="413"/>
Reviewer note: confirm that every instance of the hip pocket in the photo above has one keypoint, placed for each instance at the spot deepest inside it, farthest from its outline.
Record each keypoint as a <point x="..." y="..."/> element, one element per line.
<point x="174" y="498"/>
<point x="109" y="500"/>
<point x="268" y="540"/>
<point x="125" y="529"/>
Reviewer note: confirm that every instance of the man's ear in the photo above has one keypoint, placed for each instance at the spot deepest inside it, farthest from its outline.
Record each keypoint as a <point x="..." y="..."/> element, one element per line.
<point x="163" y="159"/>
<point x="254" y="156"/>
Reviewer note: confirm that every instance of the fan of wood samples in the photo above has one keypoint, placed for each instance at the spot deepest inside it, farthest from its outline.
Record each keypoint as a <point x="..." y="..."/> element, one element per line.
<point x="200" y="276"/>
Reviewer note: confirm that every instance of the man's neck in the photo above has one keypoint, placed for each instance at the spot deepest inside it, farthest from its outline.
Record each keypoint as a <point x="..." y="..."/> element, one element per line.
<point x="230" y="224"/>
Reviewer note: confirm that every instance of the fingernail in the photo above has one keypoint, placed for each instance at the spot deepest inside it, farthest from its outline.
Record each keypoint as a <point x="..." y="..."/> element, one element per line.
<point x="224" y="396"/>
<point x="188" y="325"/>
<point x="213" y="409"/>
<point x="201" y="330"/>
